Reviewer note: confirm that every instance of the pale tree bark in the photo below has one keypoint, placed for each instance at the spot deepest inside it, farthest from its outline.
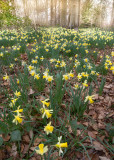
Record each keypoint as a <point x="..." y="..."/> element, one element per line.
<point x="112" y="15"/>
<point x="63" y="12"/>
<point x="55" y="13"/>
<point x="71" y="18"/>
<point x="79" y="12"/>
<point x="46" y="11"/>
<point x="59" y="12"/>
<point x="52" y="12"/>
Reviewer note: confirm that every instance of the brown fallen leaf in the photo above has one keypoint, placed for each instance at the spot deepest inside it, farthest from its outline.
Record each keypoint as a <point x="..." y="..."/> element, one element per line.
<point x="26" y="138"/>
<point x="78" y="132"/>
<point x="63" y="106"/>
<point x="2" y="154"/>
<point x="102" y="138"/>
<point x="25" y="149"/>
<point x="86" y="124"/>
<point x="33" y="158"/>
<point x="110" y="115"/>
<point x="47" y="90"/>
<point x="32" y="148"/>
<point x="31" y="134"/>
<point x="108" y="86"/>
<point x="107" y="99"/>
<point x="109" y="104"/>
<point x="69" y="129"/>
<point x="101" y="125"/>
<point x="31" y="92"/>
<point x="94" y="126"/>
<point x="91" y="112"/>
<point x="37" y="141"/>
<point x="14" y="150"/>
<point x="101" y="98"/>
<point x="98" y="146"/>
<point x="22" y="148"/>
<point x="101" y="115"/>
<point x="103" y="158"/>
<point x="6" y="138"/>
<point x="41" y="98"/>
<point x="91" y="134"/>
<point x="93" y="156"/>
<point x="96" y="96"/>
<point x="8" y="148"/>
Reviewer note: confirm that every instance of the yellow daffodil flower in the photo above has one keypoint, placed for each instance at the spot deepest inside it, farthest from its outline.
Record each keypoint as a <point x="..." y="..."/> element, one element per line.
<point x="42" y="58"/>
<point x="32" y="72"/>
<point x="18" y="94"/>
<point x="14" y="100"/>
<point x="6" y="77"/>
<point x="79" y="76"/>
<point x="1" y="54"/>
<point x="11" y="65"/>
<point x="46" y="112"/>
<point x="18" y="119"/>
<point x="49" y="78"/>
<point x="76" y="86"/>
<point x="63" y="64"/>
<point x="45" y="74"/>
<point x="36" y="76"/>
<point x="30" y="67"/>
<point x="61" y="145"/>
<point x="71" y="74"/>
<point x="85" y="84"/>
<point x="90" y="98"/>
<point x="86" y="60"/>
<point x="48" y="129"/>
<point x="45" y="103"/>
<point x="18" y="110"/>
<point x="112" y="69"/>
<point x="41" y="149"/>
<point x="17" y="81"/>
<point x="65" y="77"/>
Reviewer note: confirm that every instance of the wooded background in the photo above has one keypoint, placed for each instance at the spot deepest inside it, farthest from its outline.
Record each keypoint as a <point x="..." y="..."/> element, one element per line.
<point x="66" y="13"/>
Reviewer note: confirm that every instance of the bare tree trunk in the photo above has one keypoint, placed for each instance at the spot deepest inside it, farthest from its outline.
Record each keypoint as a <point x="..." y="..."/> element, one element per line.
<point x="59" y="11"/>
<point x="112" y="15"/>
<point x="63" y="12"/>
<point x="46" y="12"/>
<point x="79" y="6"/>
<point x="71" y="14"/>
<point x="52" y="12"/>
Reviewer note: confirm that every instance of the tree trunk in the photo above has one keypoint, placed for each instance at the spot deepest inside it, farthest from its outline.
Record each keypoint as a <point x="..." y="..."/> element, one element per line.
<point x="63" y="12"/>
<point x="112" y="15"/>
<point x="79" y="5"/>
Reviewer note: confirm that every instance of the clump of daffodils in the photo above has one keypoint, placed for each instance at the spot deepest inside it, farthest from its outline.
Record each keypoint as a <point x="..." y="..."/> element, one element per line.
<point x="46" y="76"/>
<point x="46" y="112"/>
<point x="67" y="76"/>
